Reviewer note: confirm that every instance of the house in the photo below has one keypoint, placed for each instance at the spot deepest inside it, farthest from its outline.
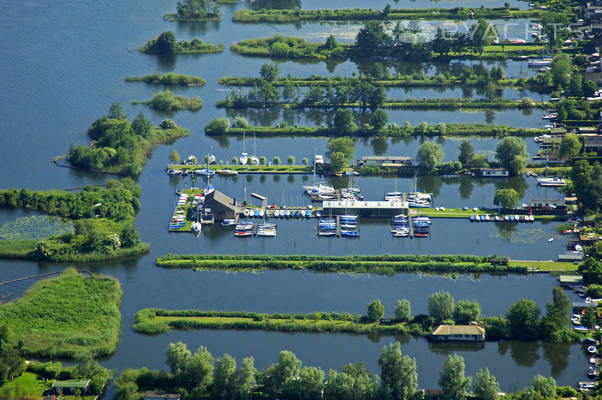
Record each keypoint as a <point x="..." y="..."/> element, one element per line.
<point x="70" y="387"/>
<point x="570" y="280"/>
<point x="592" y="144"/>
<point x="459" y="333"/>
<point x="547" y="204"/>
<point x="493" y="172"/>
<point x="161" y="396"/>
<point x="386" y="161"/>
<point x="219" y="205"/>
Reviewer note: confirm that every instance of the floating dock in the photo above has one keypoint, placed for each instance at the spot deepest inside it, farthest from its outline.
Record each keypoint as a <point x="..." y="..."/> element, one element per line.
<point x="372" y="209"/>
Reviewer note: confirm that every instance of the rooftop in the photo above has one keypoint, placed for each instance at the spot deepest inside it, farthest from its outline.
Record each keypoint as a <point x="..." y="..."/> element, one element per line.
<point x="74" y="384"/>
<point x="221" y="198"/>
<point x="458" y="330"/>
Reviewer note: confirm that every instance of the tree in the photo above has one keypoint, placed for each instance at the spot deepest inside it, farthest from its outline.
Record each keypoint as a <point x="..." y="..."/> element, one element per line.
<point x="197" y="373"/>
<point x="224" y="378"/>
<point x="245" y="378"/>
<point x="116" y="111"/>
<point x="452" y="380"/>
<point x="341" y="145"/>
<point x="589" y="319"/>
<point x="269" y="72"/>
<point x="344" y="122"/>
<point x="430" y="154"/>
<point x="331" y="43"/>
<point x="441" y="305"/>
<point x="485" y="386"/>
<point x="466" y="311"/>
<point x="570" y="145"/>
<point x="218" y="125"/>
<point x="523" y="320"/>
<point x="506" y="198"/>
<point x="466" y="153"/>
<point x="587" y="184"/>
<point x="561" y="70"/>
<point x="376" y="310"/>
<point x="509" y="148"/>
<point x="378" y="119"/>
<point x="177" y="356"/>
<point x="276" y="161"/>
<point x="371" y="38"/>
<point x="305" y="161"/>
<point x="338" y="161"/>
<point x="589" y="88"/>
<point x="289" y="93"/>
<point x="263" y="160"/>
<point x="591" y="270"/>
<point x="517" y="165"/>
<point x="284" y="371"/>
<point x="546" y="387"/>
<point x="309" y="386"/>
<point x="240" y="122"/>
<point x="166" y="43"/>
<point x="403" y="310"/>
<point x="291" y="160"/>
<point x="86" y="366"/>
<point x="174" y="157"/>
<point x="141" y="125"/>
<point x="398" y="372"/>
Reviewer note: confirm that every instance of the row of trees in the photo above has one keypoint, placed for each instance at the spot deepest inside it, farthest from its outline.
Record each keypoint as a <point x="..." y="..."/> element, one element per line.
<point x="365" y="93"/>
<point x="406" y="42"/>
<point x="197" y="9"/>
<point x="199" y="376"/>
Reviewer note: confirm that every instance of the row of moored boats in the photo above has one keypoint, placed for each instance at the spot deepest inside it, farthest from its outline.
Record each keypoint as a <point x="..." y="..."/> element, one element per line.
<point x="500" y="218"/>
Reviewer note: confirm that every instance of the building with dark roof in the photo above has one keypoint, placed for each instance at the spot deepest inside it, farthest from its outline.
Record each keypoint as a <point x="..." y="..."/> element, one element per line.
<point x="220" y="205"/>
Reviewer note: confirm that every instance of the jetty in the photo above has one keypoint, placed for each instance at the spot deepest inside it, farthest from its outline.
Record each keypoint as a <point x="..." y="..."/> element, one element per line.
<point x="369" y="209"/>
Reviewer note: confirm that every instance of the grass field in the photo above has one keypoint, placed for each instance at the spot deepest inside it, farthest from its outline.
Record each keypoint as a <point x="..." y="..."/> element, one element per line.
<point x="25" y="386"/>
<point x="154" y="321"/>
<point x="547" y="266"/>
<point x="62" y="316"/>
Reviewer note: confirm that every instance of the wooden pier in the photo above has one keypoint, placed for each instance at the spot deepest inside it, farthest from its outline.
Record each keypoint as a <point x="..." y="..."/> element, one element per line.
<point x="338" y="225"/>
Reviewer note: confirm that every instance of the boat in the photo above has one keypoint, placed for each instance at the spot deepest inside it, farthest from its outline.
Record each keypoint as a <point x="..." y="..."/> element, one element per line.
<point x="243" y="227"/>
<point x="268" y="230"/>
<point x="536" y="63"/>
<point x="347" y="225"/>
<point x="422" y="219"/>
<point x="196" y="227"/>
<point x="319" y="189"/>
<point x="401" y="233"/>
<point x="540" y="139"/>
<point x="226" y="172"/>
<point x="550" y="116"/>
<point x="243" y="234"/>
<point x="592" y="360"/>
<point x="228" y="222"/>
<point x="243" y="159"/>
<point x="261" y="213"/>
<point x="393" y="196"/>
<point x="327" y="233"/>
<point x="472" y="219"/>
<point x="421" y="235"/>
<point x="592" y="349"/>
<point x="204" y="172"/>
<point x="349" y="234"/>
<point x="551" y="239"/>
<point x="348" y="217"/>
<point x="592" y="372"/>
<point x="551" y="182"/>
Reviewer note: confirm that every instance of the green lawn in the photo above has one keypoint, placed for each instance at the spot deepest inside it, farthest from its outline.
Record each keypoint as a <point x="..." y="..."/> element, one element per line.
<point x="547" y="266"/>
<point x="25" y="386"/>
<point x="62" y="316"/>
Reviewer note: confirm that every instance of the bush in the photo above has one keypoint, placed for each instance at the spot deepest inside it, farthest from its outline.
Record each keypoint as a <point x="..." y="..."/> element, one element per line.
<point x="218" y="125"/>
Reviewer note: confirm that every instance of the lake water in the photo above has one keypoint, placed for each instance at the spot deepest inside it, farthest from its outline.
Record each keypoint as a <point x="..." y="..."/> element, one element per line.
<point x="62" y="67"/>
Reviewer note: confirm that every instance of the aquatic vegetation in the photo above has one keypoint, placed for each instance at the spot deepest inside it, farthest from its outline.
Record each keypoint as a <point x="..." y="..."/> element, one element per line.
<point x="35" y="227"/>
<point x="70" y="314"/>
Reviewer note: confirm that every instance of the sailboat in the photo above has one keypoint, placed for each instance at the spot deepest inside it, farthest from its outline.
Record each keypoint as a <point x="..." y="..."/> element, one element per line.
<point x="244" y="157"/>
<point x="319" y="189"/>
<point x="253" y="160"/>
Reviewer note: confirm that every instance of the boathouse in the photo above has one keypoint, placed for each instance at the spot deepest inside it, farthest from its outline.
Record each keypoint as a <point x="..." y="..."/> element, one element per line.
<point x="459" y="333"/>
<point x="493" y="172"/>
<point x="386" y="161"/>
<point x="548" y="204"/>
<point x="219" y="205"/>
<point x="567" y="281"/>
<point x="383" y="209"/>
<point x="69" y="387"/>
<point x="161" y="396"/>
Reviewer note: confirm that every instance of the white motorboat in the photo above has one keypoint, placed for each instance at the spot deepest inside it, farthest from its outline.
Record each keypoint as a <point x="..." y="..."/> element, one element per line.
<point x="244" y="227"/>
<point x="319" y="189"/>
<point x="551" y="182"/>
<point x="243" y="159"/>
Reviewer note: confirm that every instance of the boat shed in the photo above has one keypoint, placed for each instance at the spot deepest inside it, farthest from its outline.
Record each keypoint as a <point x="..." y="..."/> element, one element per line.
<point x="493" y="172"/>
<point x="387" y="161"/>
<point x="220" y="205"/>
<point x="362" y="208"/>
<point x="573" y="256"/>
<point x="547" y="203"/>
<point x="459" y="333"/>
<point x="570" y="280"/>
<point x="161" y="396"/>
<point x="69" y="387"/>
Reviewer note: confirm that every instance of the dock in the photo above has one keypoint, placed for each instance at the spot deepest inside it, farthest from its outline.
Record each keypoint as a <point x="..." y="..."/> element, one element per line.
<point x="373" y="209"/>
<point x="338" y="225"/>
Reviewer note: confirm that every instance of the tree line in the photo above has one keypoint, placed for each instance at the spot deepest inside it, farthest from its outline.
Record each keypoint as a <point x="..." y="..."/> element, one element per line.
<point x="199" y="375"/>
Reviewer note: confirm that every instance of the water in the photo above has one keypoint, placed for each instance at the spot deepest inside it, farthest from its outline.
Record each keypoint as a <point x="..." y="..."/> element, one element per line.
<point x="68" y="66"/>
